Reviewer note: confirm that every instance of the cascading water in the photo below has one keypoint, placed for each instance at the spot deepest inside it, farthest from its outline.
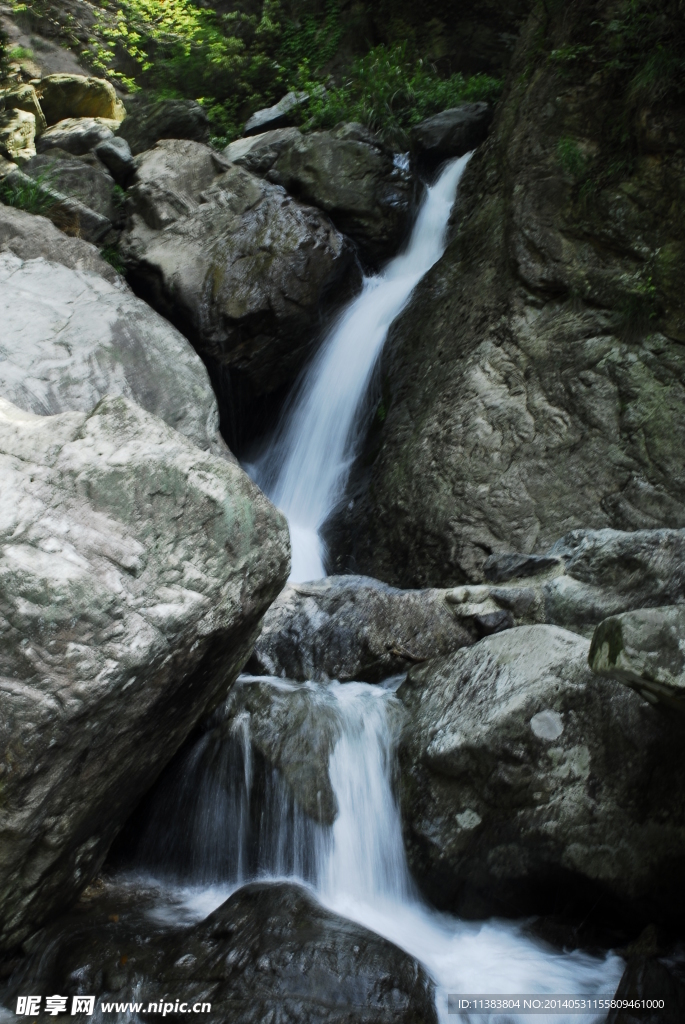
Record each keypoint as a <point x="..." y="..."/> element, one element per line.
<point x="241" y="819"/>
<point x="357" y="866"/>
<point x="306" y="464"/>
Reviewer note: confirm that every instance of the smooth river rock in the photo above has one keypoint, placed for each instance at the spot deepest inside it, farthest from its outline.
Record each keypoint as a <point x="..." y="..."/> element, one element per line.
<point x="242" y="268"/>
<point x="269" y="953"/>
<point x="451" y="133"/>
<point x="78" y="96"/>
<point x="70" y="337"/>
<point x="30" y="237"/>
<point x="530" y="785"/>
<point x="134" y="569"/>
<point x="353" y="627"/>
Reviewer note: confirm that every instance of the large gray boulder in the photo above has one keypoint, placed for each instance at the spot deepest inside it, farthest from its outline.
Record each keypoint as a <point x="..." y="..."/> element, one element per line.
<point x="353" y="627"/>
<point x="528" y="784"/>
<point x="646" y="650"/>
<point x="70" y="337"/>
<point x="150" y="120"/>
<point x="269" y="953"/>
<point x="30" y="237"/>
<point x="134" y="571"/>
<point x="277" y="116"/>
<point x="233" y="260"/>
<point x="77" y="135"/>
<point x="349" y="173"/>
<point x="70" y="215"/>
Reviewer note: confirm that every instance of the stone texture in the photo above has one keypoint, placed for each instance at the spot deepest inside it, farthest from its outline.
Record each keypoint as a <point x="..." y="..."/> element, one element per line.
<point x="350" y="174"/>
<point x="66" y="96"/>
<point x="77" y="135"/>
<point x="259" y="153"/>
<point x="135" y="569"/>
<point x="269" y="953"/>
<point x="451" y="133"/>
<point x="24" y="97"/>
<point x="115" y="154"/>
<point x="280" y="115"/>
<point x="149" y="121"/>
<point x="530" y="785"/>
<point x="534" y="385"/>
<point x="17" y="135"/>
<point x="71" y="337"/>
<point x="29" y="237"/>
<point x="82" y="178"/>
<point x="352" y="627"/>
<point x="237" y="264"/>
<point x="646" y="650"/>
<point x="70" y="215"/>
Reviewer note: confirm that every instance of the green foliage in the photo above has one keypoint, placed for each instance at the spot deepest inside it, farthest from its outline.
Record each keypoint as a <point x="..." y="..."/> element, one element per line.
<point x="570" y="157"/>
<point x="111" y="255"/>
<point x="30" y="194"/>
<point x="19" y="53"/>
<point x="118" y="196"/>
<point x="389" y="90"/>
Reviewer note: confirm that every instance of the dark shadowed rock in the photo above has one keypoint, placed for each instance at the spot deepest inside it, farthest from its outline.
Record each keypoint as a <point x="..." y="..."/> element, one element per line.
<point x="350" y="174"/>
<point x="529" y="784"/>
<point x="82" y="178"/>
<point x="115" y="154"/>
<point x="135" y="571"/>
<point x="451" y="133"/>
<point x="269" y="953"/>
<point x="353" y="627"/>
<point x="69" y="214"/>
<point x="242" y="268"/>
<point x="259" y="153"/>
<point x="149" y="121"/>
<point x="646" y="650"/>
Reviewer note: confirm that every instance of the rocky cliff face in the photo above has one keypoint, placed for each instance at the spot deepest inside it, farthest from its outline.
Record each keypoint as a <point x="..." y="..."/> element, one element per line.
<point x="535" y="384"/>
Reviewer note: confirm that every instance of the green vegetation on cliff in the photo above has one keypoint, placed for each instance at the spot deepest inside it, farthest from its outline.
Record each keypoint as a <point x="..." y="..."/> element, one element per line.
<point x="238" y="60"/>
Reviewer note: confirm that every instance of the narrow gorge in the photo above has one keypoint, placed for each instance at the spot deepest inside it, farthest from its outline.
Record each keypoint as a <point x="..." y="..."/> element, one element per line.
<point x="342" y="511"/>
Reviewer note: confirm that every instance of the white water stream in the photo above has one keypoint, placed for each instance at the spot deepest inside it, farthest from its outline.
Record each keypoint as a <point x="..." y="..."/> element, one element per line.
<point x="305" y="467"/>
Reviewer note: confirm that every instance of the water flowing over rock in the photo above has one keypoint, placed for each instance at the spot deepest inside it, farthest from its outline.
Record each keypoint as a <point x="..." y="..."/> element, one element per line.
<point x="535" y="383"/>
<point x="528" y="784"/>
<point x="352" y="627"/>
<point x="86" y="337"/>
<point x="238" y="264"/>
<point x="646" y="650"/>
<point x="270" y="952"/>
<point x="356" y="180"/>
<point x="135" y="570"/>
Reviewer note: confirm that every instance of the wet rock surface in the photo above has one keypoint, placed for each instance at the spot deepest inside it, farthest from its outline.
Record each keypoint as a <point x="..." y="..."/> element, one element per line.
<point x="71" y="337"/>
<point x="135" y="570"/>
<point x="527" y="782"/>
<point x="451" y="133"/>
<point x="241" y="267"/>
<point x="270" y="952"/>
<point x="353" y="627"/>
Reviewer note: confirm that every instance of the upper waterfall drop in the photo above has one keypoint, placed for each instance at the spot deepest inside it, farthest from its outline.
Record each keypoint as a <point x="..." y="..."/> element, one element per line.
<point x="305" y="467"/>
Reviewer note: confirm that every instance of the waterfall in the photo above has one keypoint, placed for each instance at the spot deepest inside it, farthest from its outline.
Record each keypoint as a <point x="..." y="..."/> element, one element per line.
<point x="305" y="466"/>
<point x="357" y="867"/>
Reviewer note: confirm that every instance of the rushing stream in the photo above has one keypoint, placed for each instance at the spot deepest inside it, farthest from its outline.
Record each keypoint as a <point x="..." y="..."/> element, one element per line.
<point x="305" y="466"/>
<point x="357" y="866"/>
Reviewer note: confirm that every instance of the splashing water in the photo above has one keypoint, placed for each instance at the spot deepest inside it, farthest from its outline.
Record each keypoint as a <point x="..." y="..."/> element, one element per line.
<point x="357" y="867"/>
<point x="306" y="465"/>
